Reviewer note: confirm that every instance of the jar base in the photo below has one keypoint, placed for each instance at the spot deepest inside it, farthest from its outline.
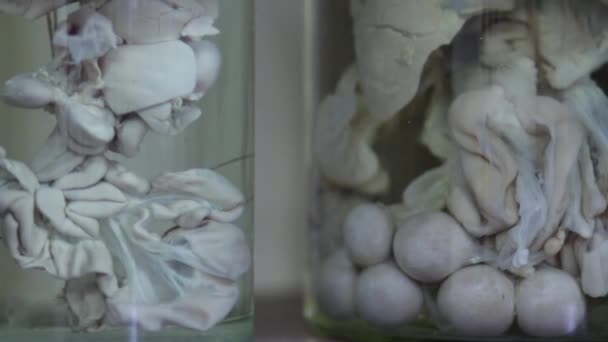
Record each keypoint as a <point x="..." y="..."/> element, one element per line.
<point x="420" y="330"/>
<point x="238" y="329"/>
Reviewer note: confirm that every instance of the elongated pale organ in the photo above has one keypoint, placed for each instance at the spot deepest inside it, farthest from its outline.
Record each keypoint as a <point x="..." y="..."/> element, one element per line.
<point x="337" y="285"/>
<point x="55" y="160"/>
<point x="386" y="297"/>
<point x="141" y="76"/>
<point x="52" y="205"/>
<point x="90" y="128"/>
<point x="478" y="301"/>
<point x="26" y="91"/>
<point x="202" y="183"/>
<point x="394" y="38"/>
<point x="87" y="35"/>
<point x="343" y="148"/>
<point x="89" y="173"/>
<point x="195" y="268"/>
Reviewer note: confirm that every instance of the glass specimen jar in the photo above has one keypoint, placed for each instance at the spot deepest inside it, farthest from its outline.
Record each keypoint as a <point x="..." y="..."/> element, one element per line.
<point x="126" y="170"/>
<point x="460" y="163"/>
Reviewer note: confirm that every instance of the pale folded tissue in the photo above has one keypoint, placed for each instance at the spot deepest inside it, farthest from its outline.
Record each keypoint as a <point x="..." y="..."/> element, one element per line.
<point x="524" y="170"/>
<point x="132" y="251"/>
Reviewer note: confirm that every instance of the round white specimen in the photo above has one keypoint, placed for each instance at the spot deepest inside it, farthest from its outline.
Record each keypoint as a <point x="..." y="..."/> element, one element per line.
<point x="368" y="234"/>
<point x="477" y="301"/>
<point x="431" y="246"/>
<point x="549" y="304"/>
<point x="336" y="285"/>
<point x="386" y="297"/>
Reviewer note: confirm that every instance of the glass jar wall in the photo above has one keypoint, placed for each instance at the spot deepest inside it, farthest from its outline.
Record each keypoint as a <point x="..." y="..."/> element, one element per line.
<point x="126" y="170"/>
<point x="460" y="173"/>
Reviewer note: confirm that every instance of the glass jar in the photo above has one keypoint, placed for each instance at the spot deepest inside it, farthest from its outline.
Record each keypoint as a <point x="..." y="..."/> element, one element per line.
<point x="126" y="214"/>
<point x="460" y="187"/>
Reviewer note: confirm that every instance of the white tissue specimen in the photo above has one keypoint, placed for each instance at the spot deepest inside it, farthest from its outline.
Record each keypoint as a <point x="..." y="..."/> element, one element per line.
<point x="154" y="21"/>
<point x="506" y="99"/>
<point x="166" y="248"/>
<point x="342" y="140"/>
<point x="31" y="8"/>
<point x="394" y="39"/>
<point x="572" y="39"/>
<point x="157" y="73"/>
<point x="86" y="35"/>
